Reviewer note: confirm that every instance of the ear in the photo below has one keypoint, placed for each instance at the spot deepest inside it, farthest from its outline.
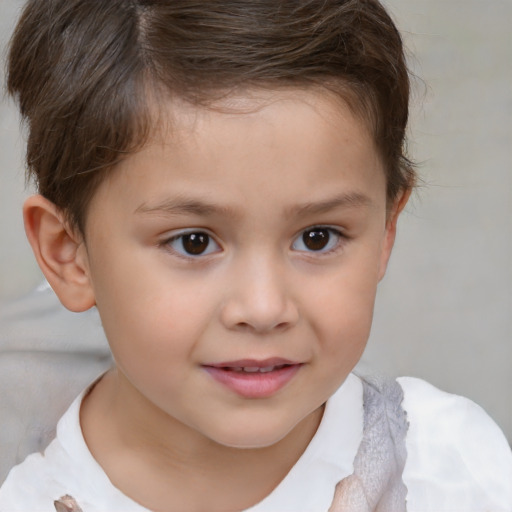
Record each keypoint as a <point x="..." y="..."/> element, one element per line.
<point x="390" y="234"/>
<point x="60" y="253"/>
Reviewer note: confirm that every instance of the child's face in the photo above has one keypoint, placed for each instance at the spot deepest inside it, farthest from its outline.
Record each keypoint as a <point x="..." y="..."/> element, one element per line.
<point x="252" y="240"/>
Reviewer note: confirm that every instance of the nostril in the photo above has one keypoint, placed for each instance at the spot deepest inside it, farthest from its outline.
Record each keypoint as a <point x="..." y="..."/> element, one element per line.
<point x="244" y="326"/>
<point x="262" y="312"/>
<point x="262" y="328"/>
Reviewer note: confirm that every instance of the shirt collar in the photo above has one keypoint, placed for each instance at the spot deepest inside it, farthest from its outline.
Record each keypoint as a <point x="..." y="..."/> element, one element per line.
<point x="329" y="457"/>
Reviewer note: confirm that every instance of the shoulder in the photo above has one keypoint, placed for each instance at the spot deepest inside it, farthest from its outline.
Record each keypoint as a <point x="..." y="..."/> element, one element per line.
<point x="45" y="477"/>
<point x="32" y="485"/>
<point x="458" y="458"/>
<point x="66" y="468"/>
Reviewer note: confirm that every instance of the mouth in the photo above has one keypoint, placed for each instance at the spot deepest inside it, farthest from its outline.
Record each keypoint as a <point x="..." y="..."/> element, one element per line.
<point x="252" y="378"/>
<point x="254" y="369"/>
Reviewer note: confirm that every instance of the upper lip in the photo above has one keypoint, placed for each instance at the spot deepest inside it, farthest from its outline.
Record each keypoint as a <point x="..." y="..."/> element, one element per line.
<point x="254" y="363"/>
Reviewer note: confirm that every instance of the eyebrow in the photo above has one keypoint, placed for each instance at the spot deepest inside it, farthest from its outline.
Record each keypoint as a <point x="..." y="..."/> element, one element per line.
<point x="184" y="206"/>
<point x="347" y="200"/>
<point x="181" y="206"/>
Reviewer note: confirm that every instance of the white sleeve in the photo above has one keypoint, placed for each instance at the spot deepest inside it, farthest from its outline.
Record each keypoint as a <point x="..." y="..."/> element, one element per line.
<point x="458" y="460"/>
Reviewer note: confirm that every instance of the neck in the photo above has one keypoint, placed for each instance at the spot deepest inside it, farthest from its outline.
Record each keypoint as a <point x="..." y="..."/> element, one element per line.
<point x="175" y="463"/>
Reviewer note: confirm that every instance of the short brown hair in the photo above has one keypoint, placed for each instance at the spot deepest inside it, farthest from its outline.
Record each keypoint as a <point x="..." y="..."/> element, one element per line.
<point x="81" y="71"/>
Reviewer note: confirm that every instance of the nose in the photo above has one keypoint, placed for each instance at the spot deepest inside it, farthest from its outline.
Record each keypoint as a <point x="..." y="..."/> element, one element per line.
<point x="258" y="299"/>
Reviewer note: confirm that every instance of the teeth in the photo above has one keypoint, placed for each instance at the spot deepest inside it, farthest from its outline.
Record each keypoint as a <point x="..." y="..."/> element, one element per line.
<point x="251" y="369"/>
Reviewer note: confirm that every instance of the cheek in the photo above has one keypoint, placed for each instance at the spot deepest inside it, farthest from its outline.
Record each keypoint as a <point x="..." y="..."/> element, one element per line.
<point x="343" y="310"/>
<point x="346" y="330"/>
<point x="149" y="318"/>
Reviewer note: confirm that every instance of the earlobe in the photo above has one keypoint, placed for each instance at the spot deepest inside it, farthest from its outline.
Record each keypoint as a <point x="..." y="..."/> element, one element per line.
<point x="60" y="253"/>
<point x="390" y="235"/>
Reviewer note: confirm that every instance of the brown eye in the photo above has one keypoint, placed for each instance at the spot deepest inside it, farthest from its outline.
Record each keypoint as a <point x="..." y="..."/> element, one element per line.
<point x="193" y="244"/>
<point x="316" y="239"/>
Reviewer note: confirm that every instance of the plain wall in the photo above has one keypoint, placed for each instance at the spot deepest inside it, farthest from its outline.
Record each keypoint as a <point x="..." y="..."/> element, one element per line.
<point x="444" y="311"/>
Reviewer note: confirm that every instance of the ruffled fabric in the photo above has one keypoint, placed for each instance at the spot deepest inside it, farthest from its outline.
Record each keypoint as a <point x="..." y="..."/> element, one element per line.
<point x="376" y="484"/>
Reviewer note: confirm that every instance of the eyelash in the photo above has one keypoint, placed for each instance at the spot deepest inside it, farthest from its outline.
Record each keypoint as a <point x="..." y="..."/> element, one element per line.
<point x="339" y="237"/>
<point x="180" y="238"/>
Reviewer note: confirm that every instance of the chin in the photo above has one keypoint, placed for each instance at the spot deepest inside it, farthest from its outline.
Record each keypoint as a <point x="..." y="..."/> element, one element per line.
<point x="254" y="437"/>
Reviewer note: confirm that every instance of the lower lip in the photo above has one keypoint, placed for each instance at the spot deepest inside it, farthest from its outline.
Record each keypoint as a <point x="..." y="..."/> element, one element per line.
<point x="254" y="385"/>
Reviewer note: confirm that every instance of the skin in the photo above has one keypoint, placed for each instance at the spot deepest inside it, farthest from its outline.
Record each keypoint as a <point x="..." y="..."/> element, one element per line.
<point x="253" y="175"/>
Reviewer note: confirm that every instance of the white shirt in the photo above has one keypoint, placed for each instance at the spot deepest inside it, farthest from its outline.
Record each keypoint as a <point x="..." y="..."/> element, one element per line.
<point x="458" y="461"/>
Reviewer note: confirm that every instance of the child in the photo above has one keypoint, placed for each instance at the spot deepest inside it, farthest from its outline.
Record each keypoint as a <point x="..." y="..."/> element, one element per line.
<point x="223" y="180"/>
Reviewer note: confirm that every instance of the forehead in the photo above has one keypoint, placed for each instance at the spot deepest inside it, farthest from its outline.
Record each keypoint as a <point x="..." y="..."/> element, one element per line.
<point x="175" y="117"/>
<point x="285" y="147"/>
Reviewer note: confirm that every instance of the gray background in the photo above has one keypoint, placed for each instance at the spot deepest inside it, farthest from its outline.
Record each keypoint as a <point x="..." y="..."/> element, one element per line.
<point x="444" y="311"/>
